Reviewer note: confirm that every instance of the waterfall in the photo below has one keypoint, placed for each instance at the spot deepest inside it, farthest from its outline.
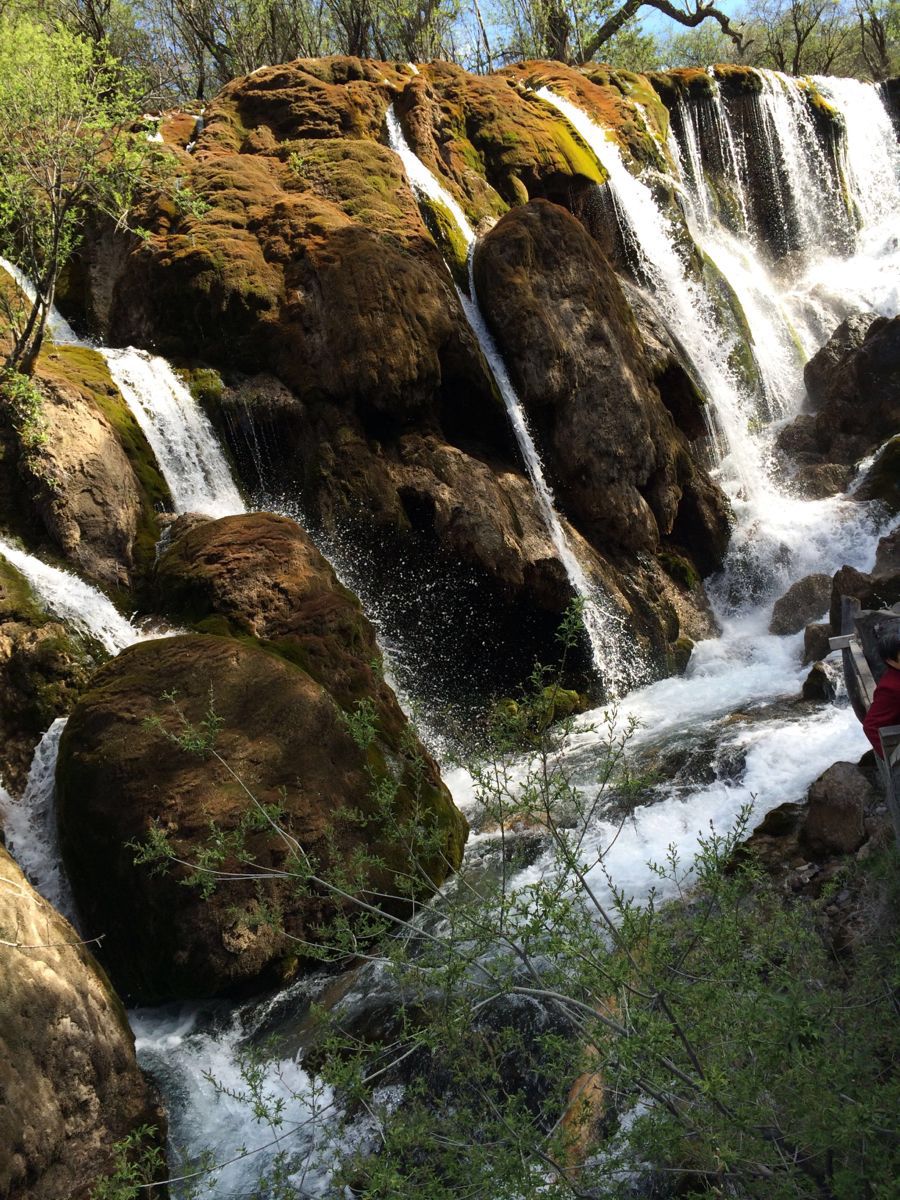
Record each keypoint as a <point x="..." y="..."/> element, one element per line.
<point x="178" y="431"/>
<point x="777" y="536"/>
<point x="684" y="304"/>
<point x="30" y="826"/>
<point x="815" y="214"/>
<point x="614" y="659"/>
<point x="871" y="150"/>
<point x="58" y="327"/>
<point x="71" y="599"/>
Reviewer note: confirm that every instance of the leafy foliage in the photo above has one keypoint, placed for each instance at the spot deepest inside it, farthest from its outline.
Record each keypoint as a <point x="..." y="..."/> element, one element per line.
<point x="549" y="1035"/>
<point x="65" y="145"/>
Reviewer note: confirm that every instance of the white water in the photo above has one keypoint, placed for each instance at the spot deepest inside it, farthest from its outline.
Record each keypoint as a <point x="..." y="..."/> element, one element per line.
<point x="58" y="327"/>
<point x="615" y="659"/>
<point x="178" y="431"/>
<point x="800" y="161"/>
<point x="72" y="600"/>
<point x="30" y="826"/>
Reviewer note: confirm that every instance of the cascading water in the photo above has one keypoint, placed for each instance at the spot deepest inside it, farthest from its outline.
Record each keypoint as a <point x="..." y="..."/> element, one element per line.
<point x="71" y="599"/>
<point x="778" y="537"/>
<point x="615" y="661"/>
<point x="30" y="826"/>
<point x="815" y="217"/>
<point x="58" y="327"/>
<point x="178" y="431"/>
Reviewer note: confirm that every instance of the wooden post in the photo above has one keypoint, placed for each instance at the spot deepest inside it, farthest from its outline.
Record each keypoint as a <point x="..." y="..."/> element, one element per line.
<point x="890" y="745"/>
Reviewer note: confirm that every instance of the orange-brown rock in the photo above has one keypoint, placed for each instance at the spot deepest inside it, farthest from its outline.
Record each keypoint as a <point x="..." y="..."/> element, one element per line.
<point x="280" y="739"/>
<point x="70" y="1087"/>
<point x="619" y="464"/>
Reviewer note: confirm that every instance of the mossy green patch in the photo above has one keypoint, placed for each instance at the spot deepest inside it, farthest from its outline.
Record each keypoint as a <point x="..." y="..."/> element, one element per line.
<point x="85" y="370"/>
<point x="17" y="600"/>
<point x="680" y="569"/>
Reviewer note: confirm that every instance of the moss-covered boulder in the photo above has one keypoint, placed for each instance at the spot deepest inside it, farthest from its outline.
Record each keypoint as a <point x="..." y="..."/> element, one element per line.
<point x="93" y="486"/>
<point x="70" y="1087"/>
<point x="43" y="669"/>
<point x="259" y="576"/>
<point x="335" y="792"/>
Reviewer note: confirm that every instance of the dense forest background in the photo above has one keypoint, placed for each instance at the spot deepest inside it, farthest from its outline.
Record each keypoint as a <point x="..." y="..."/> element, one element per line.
<point x="187" y="49"/>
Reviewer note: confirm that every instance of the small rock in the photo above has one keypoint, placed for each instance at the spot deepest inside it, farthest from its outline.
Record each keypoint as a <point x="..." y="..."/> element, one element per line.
<point x="837" y="803"/>
<point x="804" y="601"/>
<point x="815" y="642"/>
<point x="818" y="686"/>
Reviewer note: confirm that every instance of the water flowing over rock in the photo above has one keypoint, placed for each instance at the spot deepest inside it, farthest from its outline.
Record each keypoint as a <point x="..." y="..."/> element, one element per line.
<point x="282" y="737"/>
<point x="804" y="601"/>
<point x="387" y="422"/>
<point x="619" y="464"/>
<point x="43" y="668"/>
<point x="69" y="1082"/>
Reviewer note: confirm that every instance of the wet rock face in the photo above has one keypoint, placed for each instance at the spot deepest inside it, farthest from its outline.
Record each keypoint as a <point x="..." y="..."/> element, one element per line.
<point x="70" y="1087"/>
<point x="102" y="487"/>
<point x="803" y="601"/>
<point x="853" y="384"/>
<point x="43" y="668"/>
<point x="620" y="464"/>
<point x="315" y="286"/>
<point x="282" y="737"/>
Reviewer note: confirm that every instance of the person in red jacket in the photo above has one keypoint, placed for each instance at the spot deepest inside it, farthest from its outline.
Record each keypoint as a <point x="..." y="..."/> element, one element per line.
<point x="885" y="706"/>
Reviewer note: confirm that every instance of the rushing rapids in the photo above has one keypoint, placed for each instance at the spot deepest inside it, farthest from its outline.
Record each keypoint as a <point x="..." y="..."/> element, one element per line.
<point x="826" y="259"/>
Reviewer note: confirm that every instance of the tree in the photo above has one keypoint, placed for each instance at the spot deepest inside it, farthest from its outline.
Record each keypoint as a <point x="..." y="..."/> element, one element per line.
<point x="577" y="31"/>
<point x="879" y="36"/>
<point x="801" y="37"/>
<point x="65" y="146"/>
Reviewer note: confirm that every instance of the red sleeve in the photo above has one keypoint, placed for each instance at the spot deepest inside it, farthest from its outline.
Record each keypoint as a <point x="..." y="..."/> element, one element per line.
<point x="884" y="710"/>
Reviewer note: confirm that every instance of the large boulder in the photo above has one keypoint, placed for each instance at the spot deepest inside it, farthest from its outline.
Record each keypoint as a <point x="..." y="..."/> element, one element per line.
<point x="259" y="575"/>
<point x="70" y="1087"/>
<point x="803" y="601"/>
<point x="620" y="464"/>
<point x="835" y="819"/>
<point x="100" y="486"/>
<point x="853" y="384"/>
<point x="282" y="747"/>
<point x="43" y="669"/>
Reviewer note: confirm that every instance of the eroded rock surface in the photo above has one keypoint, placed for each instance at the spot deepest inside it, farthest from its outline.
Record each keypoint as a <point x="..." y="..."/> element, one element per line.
<point x="282" y="738"/>
<point x="43" y="669"/>
<point x="70" y="1087"/>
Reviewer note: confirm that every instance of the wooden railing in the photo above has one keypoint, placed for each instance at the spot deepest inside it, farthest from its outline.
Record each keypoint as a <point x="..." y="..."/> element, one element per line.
<point x="860" y="683"/>
<point x="890" y="770"/>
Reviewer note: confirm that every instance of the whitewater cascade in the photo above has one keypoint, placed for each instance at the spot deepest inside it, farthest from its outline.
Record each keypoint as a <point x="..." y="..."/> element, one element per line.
<point x="778" y="536"/>
<point x="58" y="327"/>
<point x="30" y="826"/>
<point x="178" y="431"/>
<point x="71" y="599"/>
<point x="615" y="660"/>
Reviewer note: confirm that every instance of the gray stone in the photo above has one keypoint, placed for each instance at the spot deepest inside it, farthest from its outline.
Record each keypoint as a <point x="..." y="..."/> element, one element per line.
<point x="804" y="601"/>
<point x="815" y="642"/>
<point x="818" y="686"/>
<point x="835" y="822"/>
